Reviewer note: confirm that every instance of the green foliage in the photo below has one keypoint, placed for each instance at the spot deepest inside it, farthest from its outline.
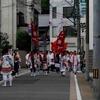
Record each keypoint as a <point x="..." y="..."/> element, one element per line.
<point x="45" y="6"/>
<point x="23" y="41"/>
<point x="4" y="43"/>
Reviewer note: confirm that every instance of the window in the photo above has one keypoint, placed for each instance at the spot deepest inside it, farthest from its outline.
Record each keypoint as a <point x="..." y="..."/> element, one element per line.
<point x="54" y="31"/>
<point x="67" y="12"/>
<point x="69" y="31"/>
<point x="54" y="12"/>
<point x="20" y="19"/>
<point x="82" y="1"/>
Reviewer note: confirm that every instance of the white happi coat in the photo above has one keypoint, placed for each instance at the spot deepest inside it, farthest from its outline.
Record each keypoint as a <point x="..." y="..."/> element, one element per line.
<point x="75" y="60"/>
<point x="6" y="66"/>
<point x="49" y="59"/>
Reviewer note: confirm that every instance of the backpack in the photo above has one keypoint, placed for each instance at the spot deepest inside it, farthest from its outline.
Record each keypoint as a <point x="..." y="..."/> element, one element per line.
<point x="10" y="61"/>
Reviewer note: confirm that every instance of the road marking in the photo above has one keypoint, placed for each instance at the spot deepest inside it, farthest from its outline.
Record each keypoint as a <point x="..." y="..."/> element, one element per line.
<point x="73" y="95"/>
<point x="79" y="97"/>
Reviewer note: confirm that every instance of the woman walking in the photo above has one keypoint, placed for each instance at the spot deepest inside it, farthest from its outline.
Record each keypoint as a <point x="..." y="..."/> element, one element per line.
<point x="7" y="67"/>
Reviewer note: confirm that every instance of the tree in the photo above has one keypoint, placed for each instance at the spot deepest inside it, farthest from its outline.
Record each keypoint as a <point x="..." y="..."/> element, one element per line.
<point x="4" y="43"/>
<point x="4" y="40"/>
<point x="23" y="41"/>
<point x="45" y="6"/>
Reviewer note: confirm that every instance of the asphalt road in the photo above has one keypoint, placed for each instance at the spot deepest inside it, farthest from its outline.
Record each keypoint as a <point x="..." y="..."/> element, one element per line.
<point x="26" y="87"/>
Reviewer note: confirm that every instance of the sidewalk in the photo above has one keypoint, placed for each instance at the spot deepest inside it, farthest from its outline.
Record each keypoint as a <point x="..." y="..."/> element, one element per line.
<point x="80" y="89"/>
<point x="85" y="87"/>
<point x="23" y="71"/>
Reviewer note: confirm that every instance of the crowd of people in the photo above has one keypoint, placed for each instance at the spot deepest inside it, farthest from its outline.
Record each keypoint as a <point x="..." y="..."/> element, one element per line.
<point x="37" y="61"/>
<point x="49" y="61"/>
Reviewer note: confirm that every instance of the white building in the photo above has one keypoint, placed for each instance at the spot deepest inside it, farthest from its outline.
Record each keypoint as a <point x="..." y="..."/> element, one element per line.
<point x="44" y="26"/>
<point x="8" y="19"/>
<point x="61" y="19"/>
<point x="27" y="11"/>
<point x="43" y="30"/>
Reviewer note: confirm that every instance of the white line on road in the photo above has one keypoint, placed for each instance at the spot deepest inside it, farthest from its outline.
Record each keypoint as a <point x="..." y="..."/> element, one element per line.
<point x="79" y="97"/>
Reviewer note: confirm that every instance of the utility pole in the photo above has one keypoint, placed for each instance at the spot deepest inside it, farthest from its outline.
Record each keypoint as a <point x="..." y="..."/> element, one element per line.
<point x="77" y="21"/>
<point x="34" y="34"/>
<point x="14" y="23"/>
<point x="32" y="23"/>
<point x="87" y="77"/>
<point x="96" y="53"/>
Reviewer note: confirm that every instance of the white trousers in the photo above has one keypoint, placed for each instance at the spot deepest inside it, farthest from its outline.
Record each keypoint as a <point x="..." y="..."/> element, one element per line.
<point x="7" y="77"/>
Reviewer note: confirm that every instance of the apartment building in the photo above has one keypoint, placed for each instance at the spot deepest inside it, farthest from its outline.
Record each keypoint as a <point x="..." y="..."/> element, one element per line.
<point x="44" y="26"/>
<point x="27" y="11"/>
<point x="61" y="19"/>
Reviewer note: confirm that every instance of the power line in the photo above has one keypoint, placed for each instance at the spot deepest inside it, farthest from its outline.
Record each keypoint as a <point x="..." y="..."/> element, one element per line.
<point x="32" y="5"/>
<point x="58" y="13"/>
<point x="68" y="3"/>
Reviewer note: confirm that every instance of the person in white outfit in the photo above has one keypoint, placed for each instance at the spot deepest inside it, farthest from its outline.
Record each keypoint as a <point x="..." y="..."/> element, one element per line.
<point x="63" y="65"/>
<point x="7" y="67"/>
<point x="75" y="62"/>
<point x="78" y="55"/>
<point x="50" y="60"/>
<point x="57" y="62"/>
<point x="27" y="60"/>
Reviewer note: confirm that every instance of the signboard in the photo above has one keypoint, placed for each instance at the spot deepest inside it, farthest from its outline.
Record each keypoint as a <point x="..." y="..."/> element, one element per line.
<point x="91" y="25"/>
<point x="94" y="73"/>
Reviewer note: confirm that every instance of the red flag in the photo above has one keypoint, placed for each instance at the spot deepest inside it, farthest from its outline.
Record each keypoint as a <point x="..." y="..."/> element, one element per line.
<point x="59" y="45"/>
<point x="35" y="37"/>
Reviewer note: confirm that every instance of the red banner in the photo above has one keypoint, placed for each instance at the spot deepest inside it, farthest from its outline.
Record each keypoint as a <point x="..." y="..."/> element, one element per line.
<point x="59" y="45"/>
<point x="35" y="36"/>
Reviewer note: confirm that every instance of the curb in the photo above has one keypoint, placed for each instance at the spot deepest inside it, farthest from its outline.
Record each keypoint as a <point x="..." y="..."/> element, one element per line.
<point x="85" y="88"/>
<point x="73" y="95"/>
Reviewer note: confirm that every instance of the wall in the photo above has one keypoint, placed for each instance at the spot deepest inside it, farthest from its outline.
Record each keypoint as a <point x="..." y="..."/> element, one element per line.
<point x="8" y="22"/>
<point x="91" y="25"/>
<point x="22" y="55"/>
<point x="59" y="22"/>
<point x="44" y="20"/>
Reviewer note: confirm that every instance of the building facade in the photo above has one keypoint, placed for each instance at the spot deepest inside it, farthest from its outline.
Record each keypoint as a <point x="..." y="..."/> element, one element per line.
<point x="17" y="13"/>
<point x="27" y="11"/>
<point x="61" y="19"/>
<point x="44" y="32"/>
<point x="44" y="26"/>
<point x="8" y="20"/>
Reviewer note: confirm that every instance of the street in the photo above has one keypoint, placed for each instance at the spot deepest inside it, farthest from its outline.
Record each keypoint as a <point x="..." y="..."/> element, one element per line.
<point x="26" y="87"/>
